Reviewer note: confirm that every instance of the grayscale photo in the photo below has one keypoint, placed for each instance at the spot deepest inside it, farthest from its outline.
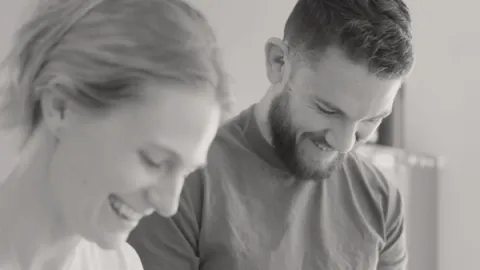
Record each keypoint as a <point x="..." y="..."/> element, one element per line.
<point x="239" y="135"/>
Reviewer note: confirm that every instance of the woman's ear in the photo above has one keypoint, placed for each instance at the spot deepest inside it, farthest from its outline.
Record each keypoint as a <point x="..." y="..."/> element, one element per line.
<point x="276" y="53"/>
<point x="54" y="107"/>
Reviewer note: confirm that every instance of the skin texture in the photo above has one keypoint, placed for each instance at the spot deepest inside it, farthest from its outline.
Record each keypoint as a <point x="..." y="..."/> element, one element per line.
<point x="315" y="114"/>
<point x="140" y="151"/>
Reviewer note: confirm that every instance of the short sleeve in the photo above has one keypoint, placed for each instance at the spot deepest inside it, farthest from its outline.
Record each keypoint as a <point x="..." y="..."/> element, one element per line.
<point x="393" y="255"/>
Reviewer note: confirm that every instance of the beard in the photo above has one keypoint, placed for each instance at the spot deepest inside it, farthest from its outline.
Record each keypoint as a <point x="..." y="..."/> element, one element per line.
<point x="288" y="145"/>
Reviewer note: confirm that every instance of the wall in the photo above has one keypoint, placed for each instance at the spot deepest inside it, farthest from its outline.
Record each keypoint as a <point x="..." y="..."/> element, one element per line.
<point x="243" y="28"/>
<point x="442" y="118"/>
<point x="10" y="15"/>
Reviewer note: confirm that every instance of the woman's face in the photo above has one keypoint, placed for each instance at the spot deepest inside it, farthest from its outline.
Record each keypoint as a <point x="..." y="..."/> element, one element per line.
<point x="110" y="170"/>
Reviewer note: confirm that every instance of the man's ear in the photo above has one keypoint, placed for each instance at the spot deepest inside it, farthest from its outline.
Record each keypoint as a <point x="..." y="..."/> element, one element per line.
<point x="277" y="65"/>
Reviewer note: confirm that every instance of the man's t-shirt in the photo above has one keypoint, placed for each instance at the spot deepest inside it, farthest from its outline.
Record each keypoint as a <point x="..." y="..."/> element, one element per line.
<point x="244" y="211"/>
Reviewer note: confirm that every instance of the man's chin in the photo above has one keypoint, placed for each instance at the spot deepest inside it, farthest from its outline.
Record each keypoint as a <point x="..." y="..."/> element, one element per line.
<point x="321" y="171"/>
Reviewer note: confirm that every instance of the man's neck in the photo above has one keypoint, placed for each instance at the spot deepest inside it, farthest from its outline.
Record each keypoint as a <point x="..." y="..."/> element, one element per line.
<point x="261" y="111"/>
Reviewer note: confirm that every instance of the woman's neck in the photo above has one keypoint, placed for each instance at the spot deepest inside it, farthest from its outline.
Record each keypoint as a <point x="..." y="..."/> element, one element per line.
<point x="32" y="231"/>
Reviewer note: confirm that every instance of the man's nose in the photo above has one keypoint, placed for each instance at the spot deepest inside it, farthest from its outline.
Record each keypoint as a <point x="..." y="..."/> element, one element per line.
<point x="343" y="137"/>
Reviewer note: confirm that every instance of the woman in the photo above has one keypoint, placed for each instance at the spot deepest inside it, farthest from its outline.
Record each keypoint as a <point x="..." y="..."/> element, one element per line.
<point x="116" y="101"/>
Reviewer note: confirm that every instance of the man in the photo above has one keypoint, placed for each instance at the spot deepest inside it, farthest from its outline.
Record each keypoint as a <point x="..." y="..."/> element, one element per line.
<point x="282" y="188"/>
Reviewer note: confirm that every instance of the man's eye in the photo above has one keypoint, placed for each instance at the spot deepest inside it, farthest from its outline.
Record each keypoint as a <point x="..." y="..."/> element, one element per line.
<point x="326" y="111"/>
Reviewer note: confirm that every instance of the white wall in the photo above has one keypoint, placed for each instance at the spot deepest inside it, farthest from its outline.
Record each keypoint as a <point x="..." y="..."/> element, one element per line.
<point x="243" y="27"/>
<point x="443" y="118"/>
<point x="10" y="15"/>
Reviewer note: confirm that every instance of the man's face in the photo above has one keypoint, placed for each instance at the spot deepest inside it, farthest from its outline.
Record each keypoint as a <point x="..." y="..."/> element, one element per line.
<point x="324" y="111"/>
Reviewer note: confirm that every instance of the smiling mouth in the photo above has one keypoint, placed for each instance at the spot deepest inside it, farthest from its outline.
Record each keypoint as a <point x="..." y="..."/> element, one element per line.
<point x="321" y="146"/>
<point x="123" y="210"/>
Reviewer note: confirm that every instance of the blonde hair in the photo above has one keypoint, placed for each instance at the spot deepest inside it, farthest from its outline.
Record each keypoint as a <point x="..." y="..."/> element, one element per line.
<point x="96" y="52"/>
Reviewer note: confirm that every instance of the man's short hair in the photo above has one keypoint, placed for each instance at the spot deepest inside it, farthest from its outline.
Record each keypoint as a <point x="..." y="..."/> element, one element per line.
<point x="374" y="32"/>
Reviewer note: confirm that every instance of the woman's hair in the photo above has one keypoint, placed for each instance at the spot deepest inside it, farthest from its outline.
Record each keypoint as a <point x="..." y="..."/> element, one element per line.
<point x="97" y="51"/>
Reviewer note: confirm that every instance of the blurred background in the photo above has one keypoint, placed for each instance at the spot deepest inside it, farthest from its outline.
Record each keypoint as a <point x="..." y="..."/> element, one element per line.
<point x="429" y="144"/>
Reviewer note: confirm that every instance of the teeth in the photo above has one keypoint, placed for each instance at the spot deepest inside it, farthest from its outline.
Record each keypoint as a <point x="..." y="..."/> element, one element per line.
<point x="321" y="146"/>
<point x="123" y="210"/>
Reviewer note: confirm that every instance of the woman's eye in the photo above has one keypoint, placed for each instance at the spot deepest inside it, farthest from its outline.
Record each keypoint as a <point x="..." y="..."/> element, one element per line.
<point x="375" y="120"/>
<point x="149" y="161"/>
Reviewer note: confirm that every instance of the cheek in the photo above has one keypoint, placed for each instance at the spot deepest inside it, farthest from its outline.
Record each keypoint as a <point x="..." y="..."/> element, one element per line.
<point x="306" y="118"/>
<point x="74" y="181"/>
<point x="120" y="171"/>
<point x="309" y="120"/>
<point x="77" y="169"/>
<point x="97" y="166"/>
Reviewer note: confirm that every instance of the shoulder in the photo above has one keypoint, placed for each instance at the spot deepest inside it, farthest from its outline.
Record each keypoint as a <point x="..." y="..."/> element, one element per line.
<point x="362" y="170"/>
<point x="375" y="193"/>
<point x="231" y="135"/>
<point x="229" y="146"/>
<point x="227" y="153"/>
